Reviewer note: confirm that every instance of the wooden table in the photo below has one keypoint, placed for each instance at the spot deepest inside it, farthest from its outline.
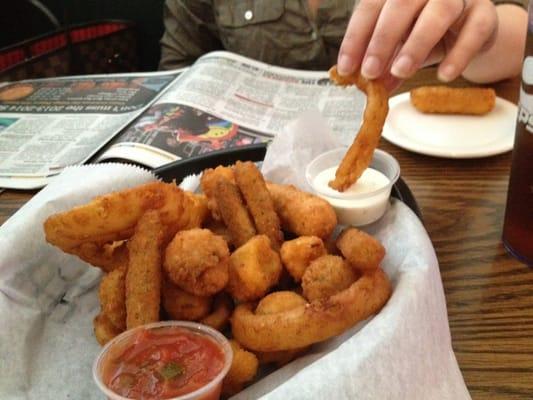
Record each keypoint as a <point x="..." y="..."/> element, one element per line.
<point x="489" y="294"/>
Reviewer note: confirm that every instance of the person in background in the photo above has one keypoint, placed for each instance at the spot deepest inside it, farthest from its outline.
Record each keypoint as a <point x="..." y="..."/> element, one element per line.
<point x="390" y="39"/>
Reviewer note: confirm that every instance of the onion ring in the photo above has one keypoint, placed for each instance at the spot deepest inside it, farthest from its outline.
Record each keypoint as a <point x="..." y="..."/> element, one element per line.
<point x="108" y="256"/>
<point x="112" y="217"/>
<point x="359" y="155"/>
<point x="314" y="322"/>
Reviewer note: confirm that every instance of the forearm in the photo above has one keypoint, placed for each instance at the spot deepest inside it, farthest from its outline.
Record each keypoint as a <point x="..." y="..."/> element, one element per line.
<point x="505" y="55"/>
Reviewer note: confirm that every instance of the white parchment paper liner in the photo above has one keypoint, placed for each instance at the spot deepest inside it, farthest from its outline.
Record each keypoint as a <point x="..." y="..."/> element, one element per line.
<point x="48" y="300"/>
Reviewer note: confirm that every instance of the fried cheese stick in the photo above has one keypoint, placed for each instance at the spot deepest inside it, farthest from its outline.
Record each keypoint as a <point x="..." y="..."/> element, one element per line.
<point x="448" y="100"/>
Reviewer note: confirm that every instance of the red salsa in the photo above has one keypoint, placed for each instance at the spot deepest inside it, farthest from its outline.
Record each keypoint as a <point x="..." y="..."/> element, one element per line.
<point x="162" y="363"/>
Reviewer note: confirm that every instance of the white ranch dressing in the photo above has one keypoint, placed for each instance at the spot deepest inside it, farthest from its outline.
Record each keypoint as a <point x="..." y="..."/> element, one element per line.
<point x="370" y="181"/>
<point x="357" y="205"/>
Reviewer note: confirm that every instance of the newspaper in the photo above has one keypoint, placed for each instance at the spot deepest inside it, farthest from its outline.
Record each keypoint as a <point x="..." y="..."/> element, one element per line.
<point x="222" y="101"/>
<point x="49" y="124"/>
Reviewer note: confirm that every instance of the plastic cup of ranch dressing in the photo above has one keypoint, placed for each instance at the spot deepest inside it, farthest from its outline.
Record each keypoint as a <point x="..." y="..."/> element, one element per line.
<point x="364" y="202"/>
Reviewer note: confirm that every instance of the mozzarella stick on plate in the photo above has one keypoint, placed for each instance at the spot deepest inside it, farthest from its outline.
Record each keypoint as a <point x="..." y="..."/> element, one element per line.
<point x="447" y="100"/>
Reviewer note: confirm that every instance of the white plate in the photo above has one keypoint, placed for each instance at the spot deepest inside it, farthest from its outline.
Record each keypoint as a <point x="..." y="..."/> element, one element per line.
<point x="451" y="136"/>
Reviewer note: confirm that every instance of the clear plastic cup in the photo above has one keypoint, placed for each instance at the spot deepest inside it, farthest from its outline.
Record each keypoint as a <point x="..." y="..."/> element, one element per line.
<point x="352" y="208"/>
<point x="211" y="391"/>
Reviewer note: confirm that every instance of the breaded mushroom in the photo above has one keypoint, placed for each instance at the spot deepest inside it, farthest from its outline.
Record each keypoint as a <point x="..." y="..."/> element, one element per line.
<point x="197" y="261"/>
<point x="327" y="276"/>
<point x="298" y="253"/>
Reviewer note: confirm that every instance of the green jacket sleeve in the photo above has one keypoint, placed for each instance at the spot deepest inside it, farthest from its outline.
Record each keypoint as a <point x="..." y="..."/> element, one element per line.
<point x="522" y="3"/>
<point x="190" y="31"/>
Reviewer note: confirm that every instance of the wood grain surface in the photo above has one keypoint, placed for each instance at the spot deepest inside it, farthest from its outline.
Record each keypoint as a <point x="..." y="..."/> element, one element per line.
<point x="489" y="294"/>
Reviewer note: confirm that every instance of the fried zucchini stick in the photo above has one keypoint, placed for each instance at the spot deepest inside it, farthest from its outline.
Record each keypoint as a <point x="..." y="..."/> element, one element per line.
<point x="234" y="212"/>
<point x="143" y="279"/>
<point x="254" y="190"/>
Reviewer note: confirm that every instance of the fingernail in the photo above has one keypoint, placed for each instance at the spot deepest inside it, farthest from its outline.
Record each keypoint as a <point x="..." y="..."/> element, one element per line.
<point x="446" y="73"/>
<point x="402" y="67"/>
<point x="345" y="65"/>
<point x="371" y="67"/>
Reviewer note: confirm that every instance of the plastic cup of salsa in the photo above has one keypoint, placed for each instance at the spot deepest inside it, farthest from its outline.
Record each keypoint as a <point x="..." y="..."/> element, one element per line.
<point x="171" y="360"/>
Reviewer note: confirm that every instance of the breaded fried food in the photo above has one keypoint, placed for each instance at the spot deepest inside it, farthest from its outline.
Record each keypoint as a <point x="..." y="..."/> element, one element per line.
<point x="113" y="217"/>
<point x="181" y="305"/>
<point x="233" y="212"/>
<point x="257" y="197"/>
<point x="218" y="228"/>
<point x="449" y="100"/>
<point x="243" y="370"/>
<point x="197" y="212"/>
<point x="326" y="276"/>
<point x="359" y="154"/>
<point x="143" y="278"/>
<point x="278" y="302"/>
<point x="197" y="261"/>
<point x="222" y="308"/>
<point x="208" y="183"/>
<point x="361" y="250"/>
<point x="107" y="256"/>
<point x="297" y="254"/>
<point x="254" y="268"/>
<point x="104" y="330"/>
<point x="302" y="213"/>
<point x="313" y="322"/>
<point x="112" y="295"/>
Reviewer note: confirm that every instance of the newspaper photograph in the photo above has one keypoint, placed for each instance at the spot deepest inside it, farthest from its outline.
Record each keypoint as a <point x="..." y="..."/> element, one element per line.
<point x="48" y="124"/>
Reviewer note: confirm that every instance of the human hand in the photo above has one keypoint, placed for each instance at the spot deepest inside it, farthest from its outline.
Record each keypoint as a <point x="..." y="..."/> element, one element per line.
<point x="392" y="39"/>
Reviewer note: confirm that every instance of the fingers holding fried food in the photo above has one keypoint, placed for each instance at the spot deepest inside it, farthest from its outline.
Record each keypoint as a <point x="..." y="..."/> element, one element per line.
<point x="254" y="268"/>
<point x="197" y="261"/>
<point x="326" y="276"/>
<point x="361" y="250"/>
<point x="302" y="213"/>
<point x="258" y="200"/>
<point x="181" y="305"/>
<point x="104" y="330"/>
<point x="243" y="370"/>
<point x="113" y="217"/>
<point x="313" y="322"/>
<point x="143" y="277"/>
<point x="112" y="295"/>
<point x="359" y="155"/>
<point x="233" y="212"/>
<point x="222" y="308"/>
<point x="297" y="254"/>
<point x="448" y="100"/>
